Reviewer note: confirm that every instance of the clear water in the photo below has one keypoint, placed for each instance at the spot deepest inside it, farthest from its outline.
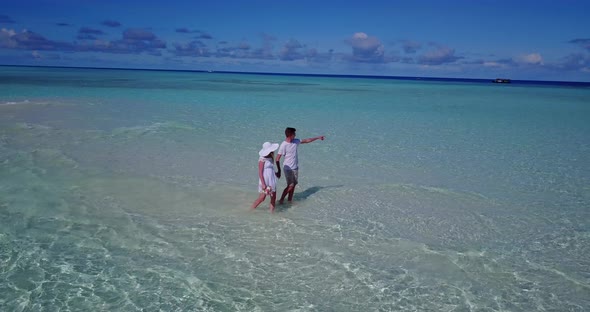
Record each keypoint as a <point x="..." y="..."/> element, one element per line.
<point x="130" y="191"/>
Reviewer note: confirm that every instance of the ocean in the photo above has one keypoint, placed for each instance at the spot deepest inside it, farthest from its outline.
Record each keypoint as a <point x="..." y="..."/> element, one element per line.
<point x="130" y="190"/>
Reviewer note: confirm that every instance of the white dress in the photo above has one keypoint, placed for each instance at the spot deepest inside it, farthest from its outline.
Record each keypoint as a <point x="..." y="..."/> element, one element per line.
<point x="269" y="175"/>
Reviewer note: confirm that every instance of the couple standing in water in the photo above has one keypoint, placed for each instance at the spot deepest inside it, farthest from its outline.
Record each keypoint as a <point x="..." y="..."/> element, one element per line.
<point x="267" y="177"/>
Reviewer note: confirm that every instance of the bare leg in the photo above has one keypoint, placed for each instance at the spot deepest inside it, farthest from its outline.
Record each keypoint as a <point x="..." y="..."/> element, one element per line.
<point x="273" y="198"/>
<point x="258" y="200"/>
<point x="291" y="192"/>
<point x="285" y="192"/>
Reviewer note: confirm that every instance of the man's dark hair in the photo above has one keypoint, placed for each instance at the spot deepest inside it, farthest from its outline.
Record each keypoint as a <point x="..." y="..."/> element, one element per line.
<point x="289" y="131"/>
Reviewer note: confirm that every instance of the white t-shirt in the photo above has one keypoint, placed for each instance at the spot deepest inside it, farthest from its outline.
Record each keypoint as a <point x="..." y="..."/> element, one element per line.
<point x="289" y="154"/>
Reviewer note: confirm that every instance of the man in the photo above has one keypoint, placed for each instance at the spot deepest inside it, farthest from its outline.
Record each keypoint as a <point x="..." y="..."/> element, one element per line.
<point x="288" y="149"/>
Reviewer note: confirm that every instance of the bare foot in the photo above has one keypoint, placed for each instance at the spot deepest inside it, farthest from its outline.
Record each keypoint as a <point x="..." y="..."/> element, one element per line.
<point x="272" y="208"/>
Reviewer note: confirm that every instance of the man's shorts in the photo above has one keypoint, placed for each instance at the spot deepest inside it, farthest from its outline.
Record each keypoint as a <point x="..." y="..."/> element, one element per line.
<point x="292" y="176"/>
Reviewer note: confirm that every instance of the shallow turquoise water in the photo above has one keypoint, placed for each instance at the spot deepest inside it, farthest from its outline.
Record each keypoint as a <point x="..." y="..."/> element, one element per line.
<point x="129" y="190"/>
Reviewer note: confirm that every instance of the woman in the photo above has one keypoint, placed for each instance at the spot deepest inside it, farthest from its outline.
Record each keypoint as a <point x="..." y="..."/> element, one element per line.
<point x="267" y="182"/>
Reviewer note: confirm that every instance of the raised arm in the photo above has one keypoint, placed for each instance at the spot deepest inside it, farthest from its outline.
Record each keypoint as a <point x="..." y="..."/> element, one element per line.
<point x="321" y="137"/>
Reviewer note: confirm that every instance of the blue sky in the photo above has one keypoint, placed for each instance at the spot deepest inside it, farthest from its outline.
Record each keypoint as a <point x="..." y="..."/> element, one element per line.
<point x="537" y="40"/>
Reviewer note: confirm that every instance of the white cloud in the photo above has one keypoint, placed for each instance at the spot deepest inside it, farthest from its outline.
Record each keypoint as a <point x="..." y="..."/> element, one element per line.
<point x="366" y="48"/>
<point x="9" y="32"/>
<point x="360" y="35"/>
<point x="7" y="38"/>
<point x="533" y="59"/>
<point x="438" y="56"/>
<point x="492" y="64"/>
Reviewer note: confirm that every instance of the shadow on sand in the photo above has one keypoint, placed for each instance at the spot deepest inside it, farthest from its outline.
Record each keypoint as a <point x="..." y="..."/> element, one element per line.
<point x="302" y="196"/>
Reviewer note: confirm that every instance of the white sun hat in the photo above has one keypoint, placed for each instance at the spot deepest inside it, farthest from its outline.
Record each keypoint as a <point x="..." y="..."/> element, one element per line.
<point x="268" y="147"/>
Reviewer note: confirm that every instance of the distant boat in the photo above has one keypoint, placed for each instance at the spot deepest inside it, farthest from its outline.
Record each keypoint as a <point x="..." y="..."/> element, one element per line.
<point x="501" y="80"/>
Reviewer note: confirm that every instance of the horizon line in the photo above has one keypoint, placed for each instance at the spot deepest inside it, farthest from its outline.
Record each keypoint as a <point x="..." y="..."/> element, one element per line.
<point x="478" y="80"/>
